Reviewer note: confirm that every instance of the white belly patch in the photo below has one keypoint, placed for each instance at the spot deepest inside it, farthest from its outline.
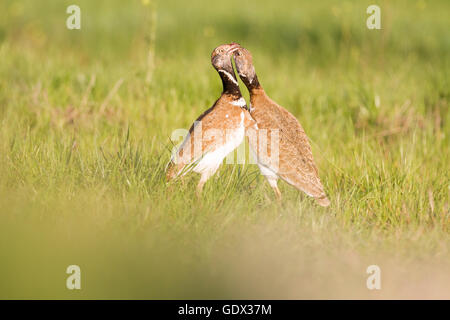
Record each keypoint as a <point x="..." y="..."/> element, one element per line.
<point x="213" y="159"/>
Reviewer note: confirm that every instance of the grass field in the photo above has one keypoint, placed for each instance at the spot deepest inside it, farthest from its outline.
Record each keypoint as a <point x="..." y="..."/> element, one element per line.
<point x="85" y="121"/>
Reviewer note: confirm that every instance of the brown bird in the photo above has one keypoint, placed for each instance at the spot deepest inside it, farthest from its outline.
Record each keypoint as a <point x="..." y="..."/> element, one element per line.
<point x="288" y="155"/>
<point x="219" y="130"/>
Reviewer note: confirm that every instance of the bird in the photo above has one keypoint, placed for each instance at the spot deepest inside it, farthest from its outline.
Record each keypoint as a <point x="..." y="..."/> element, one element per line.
<point x="288" y="155"/>
<point x="218" y="130"/>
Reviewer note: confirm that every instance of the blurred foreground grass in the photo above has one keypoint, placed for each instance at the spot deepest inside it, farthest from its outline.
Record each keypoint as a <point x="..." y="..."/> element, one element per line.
<point x="85" y="138"/>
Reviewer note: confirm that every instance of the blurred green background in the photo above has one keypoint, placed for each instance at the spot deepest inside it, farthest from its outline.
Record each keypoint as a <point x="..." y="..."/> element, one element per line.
<point x="85" y="121"/>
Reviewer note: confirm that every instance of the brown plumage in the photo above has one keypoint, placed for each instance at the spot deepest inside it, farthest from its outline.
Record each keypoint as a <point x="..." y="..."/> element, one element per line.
<point x="219" y="130"/>
<point x="294" y="162"/>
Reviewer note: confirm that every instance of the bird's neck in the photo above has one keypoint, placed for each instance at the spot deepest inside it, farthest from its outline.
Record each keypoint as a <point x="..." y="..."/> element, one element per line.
<point x="252" y="84"/>
<point x="255" y="89"/>
<point x="230" y="83"/>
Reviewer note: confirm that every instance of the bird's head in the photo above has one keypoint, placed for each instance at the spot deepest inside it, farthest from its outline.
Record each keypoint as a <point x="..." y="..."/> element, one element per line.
<point x="221" y="57"/>
<point x="244" y="67"/>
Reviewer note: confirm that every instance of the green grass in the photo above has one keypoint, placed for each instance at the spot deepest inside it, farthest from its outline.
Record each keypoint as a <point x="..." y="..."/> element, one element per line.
<point x="82" y="166"/>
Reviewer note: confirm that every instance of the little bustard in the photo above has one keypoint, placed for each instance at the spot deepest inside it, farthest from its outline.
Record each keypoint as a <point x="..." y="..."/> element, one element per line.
<point x="219" y="130"/>
<point x="294" y="162"/>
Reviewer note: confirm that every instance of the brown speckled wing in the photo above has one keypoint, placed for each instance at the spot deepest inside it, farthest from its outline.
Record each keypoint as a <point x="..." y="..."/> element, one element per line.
<point x="296" y="163"/>
<point x="222" y="116"/>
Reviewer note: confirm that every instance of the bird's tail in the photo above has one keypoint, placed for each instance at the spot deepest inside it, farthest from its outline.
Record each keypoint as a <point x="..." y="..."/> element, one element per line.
<point x="323" y="201"/>
<point x="171" y="171"/>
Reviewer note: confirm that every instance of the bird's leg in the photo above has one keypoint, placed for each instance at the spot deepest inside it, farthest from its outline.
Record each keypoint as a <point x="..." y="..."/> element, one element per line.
<point x="273" y="183"/>
<point x="199" y="189"/>
<point x="204" y="177"/>
<point x="200" y="185"/>
<point x="277" y="193"/>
